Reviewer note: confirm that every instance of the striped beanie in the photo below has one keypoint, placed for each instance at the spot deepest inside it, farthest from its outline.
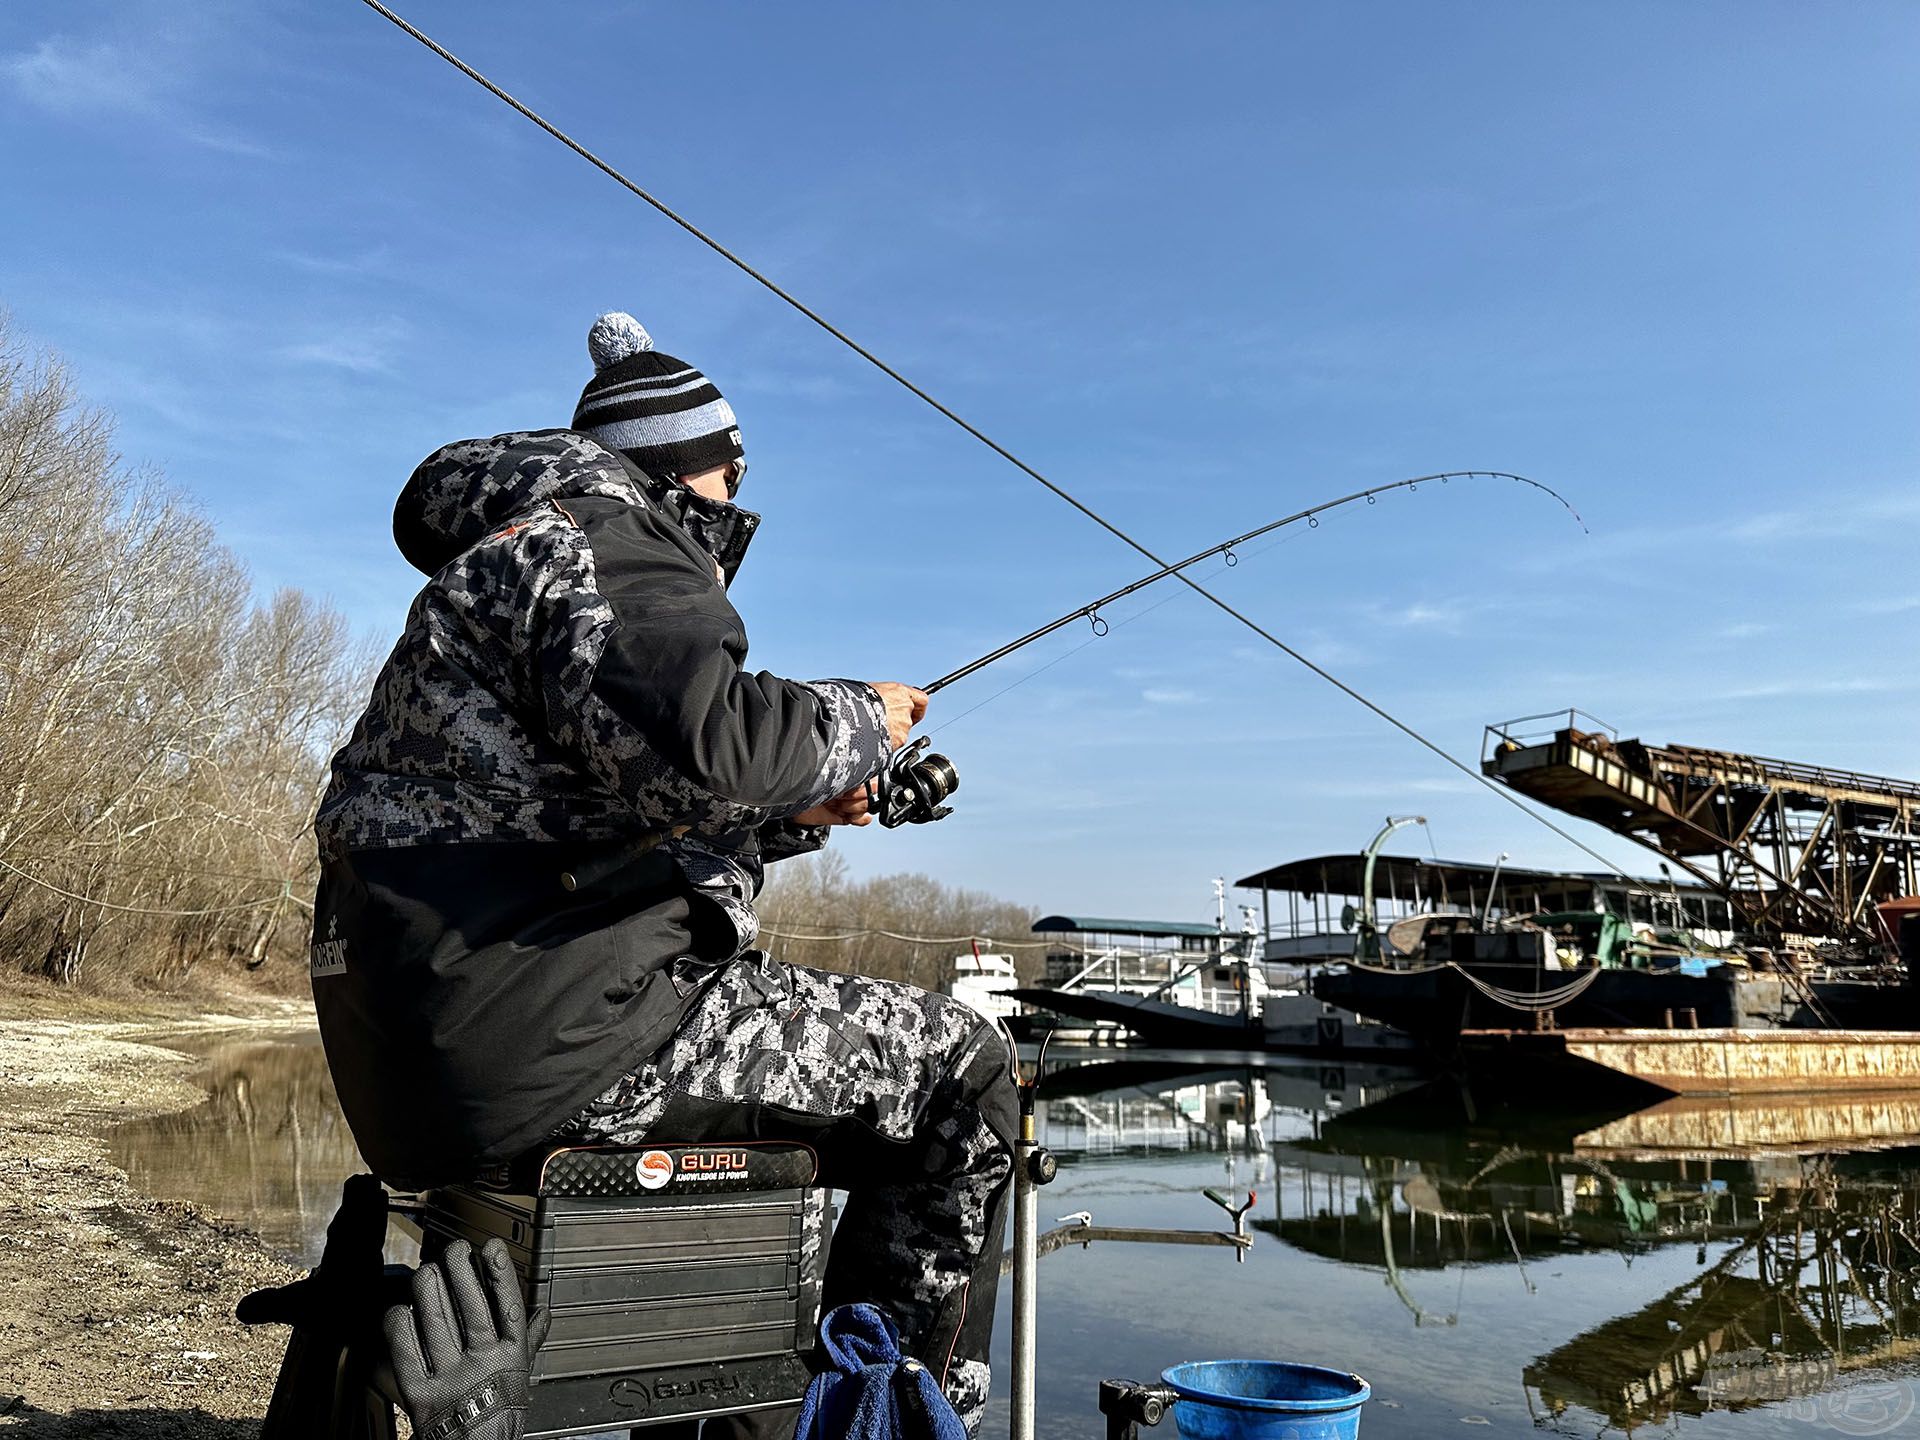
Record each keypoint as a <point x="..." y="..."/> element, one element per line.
<point x="659" y="412"/>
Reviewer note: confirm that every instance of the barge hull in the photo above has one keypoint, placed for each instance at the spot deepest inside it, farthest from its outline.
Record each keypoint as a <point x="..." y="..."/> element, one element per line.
<point x="1706" y="1062"/>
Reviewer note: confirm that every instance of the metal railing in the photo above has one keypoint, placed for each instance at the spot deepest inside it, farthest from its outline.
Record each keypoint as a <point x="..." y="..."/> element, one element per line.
<point x="1527" y="730"/>
<point x="1733" y="764"/>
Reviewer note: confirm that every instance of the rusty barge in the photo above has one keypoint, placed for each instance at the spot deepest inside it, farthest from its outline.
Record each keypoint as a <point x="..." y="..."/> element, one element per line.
<point x="1813" y="988"/>
<point x="1699" y="1062"/>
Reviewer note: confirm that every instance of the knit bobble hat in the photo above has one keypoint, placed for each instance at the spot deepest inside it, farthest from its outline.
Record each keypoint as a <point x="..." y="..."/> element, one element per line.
<point x="659" y="412"/>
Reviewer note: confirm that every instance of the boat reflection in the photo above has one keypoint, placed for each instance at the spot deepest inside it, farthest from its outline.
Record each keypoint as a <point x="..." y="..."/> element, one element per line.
<point x="1822" y="1286"/>
<point x="1146" y="1103"/>
<point x="1802" y="1220"/>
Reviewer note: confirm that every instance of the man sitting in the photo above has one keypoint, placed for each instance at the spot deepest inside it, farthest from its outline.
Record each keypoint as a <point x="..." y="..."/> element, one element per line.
<point x="541" y="846"/>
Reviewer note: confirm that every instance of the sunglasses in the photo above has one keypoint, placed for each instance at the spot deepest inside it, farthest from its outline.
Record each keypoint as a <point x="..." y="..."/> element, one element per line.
<point x="736" y="472"/>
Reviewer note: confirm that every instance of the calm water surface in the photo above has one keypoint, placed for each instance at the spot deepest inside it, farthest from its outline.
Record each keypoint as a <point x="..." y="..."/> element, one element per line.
<point x="1704" y="1270"/>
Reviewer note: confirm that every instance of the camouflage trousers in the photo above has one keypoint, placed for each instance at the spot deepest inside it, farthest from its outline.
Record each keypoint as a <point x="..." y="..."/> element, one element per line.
<point x="907" y="1098"/>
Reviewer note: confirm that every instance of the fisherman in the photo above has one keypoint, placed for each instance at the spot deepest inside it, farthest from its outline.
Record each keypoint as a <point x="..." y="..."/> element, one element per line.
<point x="541" y="846"/>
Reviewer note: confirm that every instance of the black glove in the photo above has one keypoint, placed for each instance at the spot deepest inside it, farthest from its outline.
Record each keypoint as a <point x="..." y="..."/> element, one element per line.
<point x="461" y="1351"/>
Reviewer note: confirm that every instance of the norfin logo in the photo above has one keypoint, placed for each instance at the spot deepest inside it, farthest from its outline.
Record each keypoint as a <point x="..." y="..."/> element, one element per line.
<point x="653" y="1169"/>
<point x="328" y="956"/>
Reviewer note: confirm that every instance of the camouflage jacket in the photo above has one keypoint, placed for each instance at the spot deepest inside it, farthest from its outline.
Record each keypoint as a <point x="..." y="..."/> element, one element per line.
<point x="553" y="815"/>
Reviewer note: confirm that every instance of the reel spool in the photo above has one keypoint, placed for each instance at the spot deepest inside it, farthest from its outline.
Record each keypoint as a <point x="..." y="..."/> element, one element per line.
<point x="908" y="791"/>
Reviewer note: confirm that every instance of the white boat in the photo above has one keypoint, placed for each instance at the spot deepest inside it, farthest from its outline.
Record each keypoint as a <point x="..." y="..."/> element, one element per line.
<point x="982" y="979"/>
<point x="1178" y="984"/>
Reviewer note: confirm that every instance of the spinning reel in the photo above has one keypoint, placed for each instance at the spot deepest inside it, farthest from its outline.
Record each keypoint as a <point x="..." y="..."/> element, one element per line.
<point x="909" y="789"/>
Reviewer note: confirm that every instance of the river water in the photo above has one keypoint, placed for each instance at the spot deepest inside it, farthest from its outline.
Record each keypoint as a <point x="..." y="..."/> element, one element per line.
<point x="1704" y="1270"/>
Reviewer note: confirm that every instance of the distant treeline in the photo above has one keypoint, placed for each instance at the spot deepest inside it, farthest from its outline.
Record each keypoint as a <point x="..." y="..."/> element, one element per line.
<point x="863" y="921"/>
<point x="163" y="738"/>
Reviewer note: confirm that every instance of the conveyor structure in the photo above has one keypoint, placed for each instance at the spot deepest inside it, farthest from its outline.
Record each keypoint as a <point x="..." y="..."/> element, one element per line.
<point x="1803" y="853"/>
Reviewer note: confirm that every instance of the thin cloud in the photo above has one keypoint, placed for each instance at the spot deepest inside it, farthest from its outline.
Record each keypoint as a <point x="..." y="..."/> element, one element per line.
<point x="109" y="80"/>
<point x="377" y="261"/>
<point x="362" y="350"/>
<point x="1897" y="605"/>
<point x="1860" y="515"/>
<point x="358" y="356"/>
<point x="69" y="78"/>
<point x="1856" y="685"/>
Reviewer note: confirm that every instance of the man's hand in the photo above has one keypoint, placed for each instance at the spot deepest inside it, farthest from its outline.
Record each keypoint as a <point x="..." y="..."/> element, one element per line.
<point x="851" y="808"/>
<point x="906" y="708"/>
<point x="462" y="1350"/>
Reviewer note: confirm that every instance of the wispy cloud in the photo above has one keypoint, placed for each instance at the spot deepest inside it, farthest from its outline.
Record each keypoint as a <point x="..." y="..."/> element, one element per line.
<point x="1892" y="605"/>
<point x="364" y="349"/>
<point x="1382" y="788"/>
<point x="1796" y="687"/>
<point x="1159" y="696"/>
<point x="377" y="261"/>
<point x="1861" y="515"/>
<point x="110" y="79"/>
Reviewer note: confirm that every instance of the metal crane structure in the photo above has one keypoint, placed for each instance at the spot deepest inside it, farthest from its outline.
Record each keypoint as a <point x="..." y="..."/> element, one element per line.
<point x="1803" y="853"/>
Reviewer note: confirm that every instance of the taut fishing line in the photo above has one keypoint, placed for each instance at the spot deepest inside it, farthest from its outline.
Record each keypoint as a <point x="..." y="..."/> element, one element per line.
<point x="912" y="776"/>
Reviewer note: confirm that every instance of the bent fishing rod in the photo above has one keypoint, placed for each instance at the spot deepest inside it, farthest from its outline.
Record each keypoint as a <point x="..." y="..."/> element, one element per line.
<point x="1091" y="610"/>
<point x="787" y="297"/>
<point x="910" y="789"/>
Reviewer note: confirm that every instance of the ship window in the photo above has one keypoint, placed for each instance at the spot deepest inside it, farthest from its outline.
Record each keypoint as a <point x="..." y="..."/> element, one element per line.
<point x="1222" y="974"/>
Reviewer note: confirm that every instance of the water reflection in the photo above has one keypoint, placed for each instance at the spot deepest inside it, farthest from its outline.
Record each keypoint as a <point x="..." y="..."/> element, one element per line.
<point x="1802" y="1219"/>
<point x="1728" y="1269"/>
<point x="1808" y="1265"/>
<point x="268" y="1148"/>
<point x="1094" y="1106"/>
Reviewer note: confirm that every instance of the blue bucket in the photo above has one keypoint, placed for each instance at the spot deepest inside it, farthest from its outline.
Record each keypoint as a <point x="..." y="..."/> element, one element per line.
<point x="1265" y="1400"/>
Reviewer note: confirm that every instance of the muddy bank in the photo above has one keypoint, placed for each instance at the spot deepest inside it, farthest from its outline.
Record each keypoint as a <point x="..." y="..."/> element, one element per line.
<point x="116" y="1309"/>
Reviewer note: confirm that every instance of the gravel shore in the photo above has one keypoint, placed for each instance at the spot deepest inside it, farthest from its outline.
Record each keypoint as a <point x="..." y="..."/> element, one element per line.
<point x="116" y="1310"/>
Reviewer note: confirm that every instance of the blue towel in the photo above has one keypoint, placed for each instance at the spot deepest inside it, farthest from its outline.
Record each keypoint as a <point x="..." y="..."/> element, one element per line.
<point x="870" y="1390"/>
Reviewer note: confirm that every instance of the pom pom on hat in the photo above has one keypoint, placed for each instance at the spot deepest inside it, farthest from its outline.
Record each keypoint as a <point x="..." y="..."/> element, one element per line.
<point x="616" y="336"/>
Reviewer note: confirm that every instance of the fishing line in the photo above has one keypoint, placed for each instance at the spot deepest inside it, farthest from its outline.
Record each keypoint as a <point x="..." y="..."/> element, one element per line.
<point x="1112" y="529"/>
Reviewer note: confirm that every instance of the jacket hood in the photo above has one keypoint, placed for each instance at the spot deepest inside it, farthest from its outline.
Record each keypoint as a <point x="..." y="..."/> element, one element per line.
<point x="465" y="491"/>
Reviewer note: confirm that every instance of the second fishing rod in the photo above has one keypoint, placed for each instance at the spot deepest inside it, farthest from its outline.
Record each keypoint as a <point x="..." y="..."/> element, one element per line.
<point x="912" y="787"/>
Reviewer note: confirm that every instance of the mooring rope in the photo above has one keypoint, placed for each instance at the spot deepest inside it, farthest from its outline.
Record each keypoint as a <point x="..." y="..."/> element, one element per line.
<point x="1512" y="999"/>
<point x="1542" y="1000"/>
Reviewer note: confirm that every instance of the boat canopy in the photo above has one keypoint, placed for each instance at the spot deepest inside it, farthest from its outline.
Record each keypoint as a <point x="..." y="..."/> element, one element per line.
<point x="1406" y="875"/>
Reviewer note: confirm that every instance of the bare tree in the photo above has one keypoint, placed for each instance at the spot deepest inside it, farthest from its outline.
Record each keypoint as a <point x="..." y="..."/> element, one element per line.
<point x="897" y="927"/>
<point x="163" y="739"/>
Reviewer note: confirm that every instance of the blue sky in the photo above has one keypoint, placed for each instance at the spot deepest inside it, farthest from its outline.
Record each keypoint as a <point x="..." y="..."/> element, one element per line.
<point x="1201" y="264"/>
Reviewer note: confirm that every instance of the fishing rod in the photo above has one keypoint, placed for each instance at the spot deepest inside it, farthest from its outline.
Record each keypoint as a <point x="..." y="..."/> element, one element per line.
<point x="1091" y="610"/>
<point x="921" y="393"/>
<point x="910" y="789"/>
